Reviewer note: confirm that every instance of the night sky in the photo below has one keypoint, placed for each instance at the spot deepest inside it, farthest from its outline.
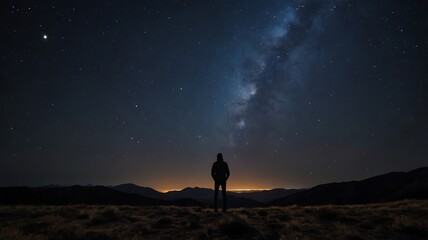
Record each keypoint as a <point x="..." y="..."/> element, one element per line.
<point x="293" y="93"/>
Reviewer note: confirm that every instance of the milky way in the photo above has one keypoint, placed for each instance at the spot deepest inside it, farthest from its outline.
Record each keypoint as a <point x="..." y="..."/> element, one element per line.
<point x="276" y="70"/>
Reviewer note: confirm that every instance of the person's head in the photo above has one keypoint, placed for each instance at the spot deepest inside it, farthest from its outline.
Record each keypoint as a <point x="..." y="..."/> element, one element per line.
<point x="219" y="157"/>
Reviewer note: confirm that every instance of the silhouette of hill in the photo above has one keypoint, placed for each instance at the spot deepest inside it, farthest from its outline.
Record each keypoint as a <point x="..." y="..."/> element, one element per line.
<point x="80" y="195"/>
<point x="205" y="195"/>
<point x="266" y="196"/>
<point x="195" y="193"/>
<point x="384" y="188"/>
<point x="143" y="191"/>
<point x="202" y="195"/>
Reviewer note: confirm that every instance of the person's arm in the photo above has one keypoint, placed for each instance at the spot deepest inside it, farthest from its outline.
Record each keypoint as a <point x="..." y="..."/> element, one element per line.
<point x="213" y="172"/>
<point x="227" y="172"/>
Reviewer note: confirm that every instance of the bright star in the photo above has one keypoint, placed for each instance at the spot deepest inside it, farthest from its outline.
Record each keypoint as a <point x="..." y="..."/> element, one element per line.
<point x="45" y="36"/>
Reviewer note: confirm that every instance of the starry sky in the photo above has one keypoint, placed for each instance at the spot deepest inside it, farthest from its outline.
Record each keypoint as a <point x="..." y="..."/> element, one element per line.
<point x="293" y="93"/>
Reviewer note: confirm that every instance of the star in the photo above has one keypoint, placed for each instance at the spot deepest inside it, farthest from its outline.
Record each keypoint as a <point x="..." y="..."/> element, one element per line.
<point x="45" y="36"/>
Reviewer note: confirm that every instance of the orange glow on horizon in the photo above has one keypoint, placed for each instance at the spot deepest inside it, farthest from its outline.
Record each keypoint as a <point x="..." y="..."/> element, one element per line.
<point x="238" y="190"/>
<point x="241" y="185"/>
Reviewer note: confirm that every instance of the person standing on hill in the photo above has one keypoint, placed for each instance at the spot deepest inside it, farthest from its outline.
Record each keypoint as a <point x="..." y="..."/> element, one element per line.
<point x="220" y="173"/>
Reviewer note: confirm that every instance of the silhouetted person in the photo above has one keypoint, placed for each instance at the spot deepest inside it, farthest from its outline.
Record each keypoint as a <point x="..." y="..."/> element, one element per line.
<point x="220" y="173"/>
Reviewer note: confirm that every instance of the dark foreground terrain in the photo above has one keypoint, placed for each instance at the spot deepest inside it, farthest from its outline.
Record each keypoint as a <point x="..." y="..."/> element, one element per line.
<point x="396" y="220"/>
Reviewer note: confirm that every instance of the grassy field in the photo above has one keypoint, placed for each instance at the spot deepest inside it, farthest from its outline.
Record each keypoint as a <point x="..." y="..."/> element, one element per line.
<point x="398" y="220"/>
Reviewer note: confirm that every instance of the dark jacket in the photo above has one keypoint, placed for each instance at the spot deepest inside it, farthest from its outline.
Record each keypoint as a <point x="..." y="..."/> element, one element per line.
<point x="220" y="172"/>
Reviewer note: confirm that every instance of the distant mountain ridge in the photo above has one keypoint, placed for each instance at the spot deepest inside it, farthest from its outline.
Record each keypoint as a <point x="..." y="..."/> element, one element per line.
<point x="263" y="196"/>
<point x="80" y="195"/>
<point x="266" y="196"/>
<point x="202" y="195"/>
<point x="383" y="188"/>
<point x="144" y="191"/>
<point x="205" y="195"/>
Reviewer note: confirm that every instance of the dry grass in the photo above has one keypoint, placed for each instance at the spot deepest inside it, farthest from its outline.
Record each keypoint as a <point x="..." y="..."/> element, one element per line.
<point x="398" y="220"/>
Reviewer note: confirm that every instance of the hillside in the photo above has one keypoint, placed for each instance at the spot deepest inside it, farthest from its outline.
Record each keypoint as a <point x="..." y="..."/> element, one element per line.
<point x="384" y="188"/>
<point x="80" y="195"/>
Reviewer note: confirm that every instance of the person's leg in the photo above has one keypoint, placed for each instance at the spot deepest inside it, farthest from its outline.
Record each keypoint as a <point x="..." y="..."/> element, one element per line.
<point x="223" y="190"/>
<point x="216" y="186"/>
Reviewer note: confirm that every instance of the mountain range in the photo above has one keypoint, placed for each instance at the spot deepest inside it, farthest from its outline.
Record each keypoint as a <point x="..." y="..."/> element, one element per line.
<point x="205" y="195"/>
<point x="383" y="188"/>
